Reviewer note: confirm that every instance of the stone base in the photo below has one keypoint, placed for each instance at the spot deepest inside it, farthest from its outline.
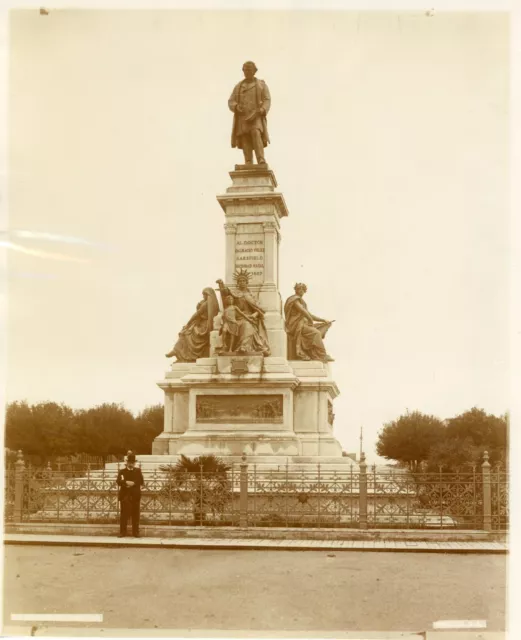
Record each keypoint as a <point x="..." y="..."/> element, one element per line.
<point x="232" y="444"/>
<point x="263" y="463"/>
<point x="262" y="166"/>
<point x="319" y="445"/>
<point x="211" y="407"/>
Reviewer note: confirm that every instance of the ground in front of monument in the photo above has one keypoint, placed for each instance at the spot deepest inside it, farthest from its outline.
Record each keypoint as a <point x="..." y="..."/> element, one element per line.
<point x="253" y="591"/>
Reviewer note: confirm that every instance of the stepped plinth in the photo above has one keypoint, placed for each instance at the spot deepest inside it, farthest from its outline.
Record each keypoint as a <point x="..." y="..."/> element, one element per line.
<point x="277" y="411"/>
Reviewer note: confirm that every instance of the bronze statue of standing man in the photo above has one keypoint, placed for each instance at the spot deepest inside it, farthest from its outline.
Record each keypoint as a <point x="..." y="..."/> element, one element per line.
<point x="250" y="102"/>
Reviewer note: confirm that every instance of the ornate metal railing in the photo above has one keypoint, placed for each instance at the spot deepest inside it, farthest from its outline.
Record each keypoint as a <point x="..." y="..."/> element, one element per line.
<point x="302" y="499"/>
<point x="499" y="489"/>
<point x="250" y="495"/>
<point x="82" y="495"/>
<point x="91" y="496"/>
<point x="425" y="500"/>
<point x="191" y="498"/>
<point x="9" y="494"/>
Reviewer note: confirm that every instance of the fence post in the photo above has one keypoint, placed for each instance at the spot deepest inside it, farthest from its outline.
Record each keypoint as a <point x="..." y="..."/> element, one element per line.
<point x="362" y="507"/>
<point x="243" y="499"/>
<point x="201" y="480"/>
<point x="19" y="474"/>
<point x="487" y="497"/>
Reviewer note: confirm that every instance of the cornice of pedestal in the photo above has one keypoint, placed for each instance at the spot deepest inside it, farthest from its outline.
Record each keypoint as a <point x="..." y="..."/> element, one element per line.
<point x="253" y="198"/>
<point x="267" y="381"/>
<point x="202" y="380"/>
<point x="316" y="384"/>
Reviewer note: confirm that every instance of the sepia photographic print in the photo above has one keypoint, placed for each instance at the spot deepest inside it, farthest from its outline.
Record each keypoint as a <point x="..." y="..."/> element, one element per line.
<point x="261" y="330"/>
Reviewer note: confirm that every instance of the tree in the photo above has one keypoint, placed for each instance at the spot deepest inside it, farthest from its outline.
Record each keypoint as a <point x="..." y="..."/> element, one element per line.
<point x="467" y="436"/>
<point x="41" y="430"/>
<point x="453" y="454"/>
<point x="409" y="439"/>
<point x="20" y="428"/>
<point x="149" y="424"/>
<point x="49" y="429"/>
<point x="107" y="429"/>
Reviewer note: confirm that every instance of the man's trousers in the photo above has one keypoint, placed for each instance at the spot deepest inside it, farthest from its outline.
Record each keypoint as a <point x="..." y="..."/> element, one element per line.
<point x="129" y="509"/>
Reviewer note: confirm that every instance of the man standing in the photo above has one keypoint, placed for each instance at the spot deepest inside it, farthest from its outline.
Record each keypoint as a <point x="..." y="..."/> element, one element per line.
<point x="130" y="481"/>
<point x="250" y="102"/>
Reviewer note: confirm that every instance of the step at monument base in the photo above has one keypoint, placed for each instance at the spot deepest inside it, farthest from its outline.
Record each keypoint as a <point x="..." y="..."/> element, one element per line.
<point x="300" y="464"/>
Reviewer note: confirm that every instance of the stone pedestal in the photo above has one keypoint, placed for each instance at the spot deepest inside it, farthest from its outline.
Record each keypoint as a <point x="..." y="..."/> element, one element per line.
<point x="253" y="210"/>
<point x="275" y="411"/>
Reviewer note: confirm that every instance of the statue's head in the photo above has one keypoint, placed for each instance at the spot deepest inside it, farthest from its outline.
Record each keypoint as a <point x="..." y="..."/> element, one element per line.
<point x="242" y="278"/>
<point x="242" y="282"/>
<point x="228" y="301"/>
<point x="249" y="69"/>
<point x="209" y="294"/>
<point x="300" y="288"/>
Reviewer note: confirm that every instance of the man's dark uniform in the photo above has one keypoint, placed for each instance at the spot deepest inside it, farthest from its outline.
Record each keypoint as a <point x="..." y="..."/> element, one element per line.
<point x="129" y="498"/>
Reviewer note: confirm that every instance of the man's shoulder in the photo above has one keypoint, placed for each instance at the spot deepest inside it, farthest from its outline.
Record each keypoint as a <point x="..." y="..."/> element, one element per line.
<point x="258" y="80"/>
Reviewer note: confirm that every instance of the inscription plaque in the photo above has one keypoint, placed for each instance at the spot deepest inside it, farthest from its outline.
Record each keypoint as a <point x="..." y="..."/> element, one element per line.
<point x="249" y="251"/>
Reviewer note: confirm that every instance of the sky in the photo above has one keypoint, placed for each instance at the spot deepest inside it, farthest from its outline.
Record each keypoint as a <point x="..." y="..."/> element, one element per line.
<point x="390" y="143"/>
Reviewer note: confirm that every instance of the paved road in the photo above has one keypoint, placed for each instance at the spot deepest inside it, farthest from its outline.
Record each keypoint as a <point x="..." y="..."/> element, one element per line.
<point x="257" y="590"/>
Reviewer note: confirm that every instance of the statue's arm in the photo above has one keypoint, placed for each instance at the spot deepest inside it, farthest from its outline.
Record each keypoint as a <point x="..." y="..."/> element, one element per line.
<point x="244" y="315"/>
<point x="201" y="310"/>
<point x="233" y="102"/>
<point x="223" y="290"/>
<point x="255" y="306"/>
<point x="303" y="311"/>
<point x="266" y="99"/>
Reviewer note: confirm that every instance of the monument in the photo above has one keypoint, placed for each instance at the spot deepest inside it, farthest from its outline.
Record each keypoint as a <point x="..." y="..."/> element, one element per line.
<point x="251" y="375"/>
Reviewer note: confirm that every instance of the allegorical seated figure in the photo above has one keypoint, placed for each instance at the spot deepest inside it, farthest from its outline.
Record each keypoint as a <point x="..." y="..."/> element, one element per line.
<point x="245" y="320"/>
<point x="231" y="328"/>
<point x="194" y="338"/>
<point x="305" y="331"/>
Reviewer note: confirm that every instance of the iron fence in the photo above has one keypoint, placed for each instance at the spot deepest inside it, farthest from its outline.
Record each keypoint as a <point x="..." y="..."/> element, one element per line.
<point x="303" y="499"/>
<point x="425" y="500"/>
<point x="81" y="495"/>
<point x="91" y="496"/>
<point x="251" y="496"/>
<point x="9" y="495"/>
<point x="200" y="498"/>
<point x="499" y="498"/>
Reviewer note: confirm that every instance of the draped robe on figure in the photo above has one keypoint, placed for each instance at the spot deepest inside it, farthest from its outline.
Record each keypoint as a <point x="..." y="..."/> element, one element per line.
<point x="252" y="336"/>
<point x="194" y="338"/>
<point x="308" y="338"/>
